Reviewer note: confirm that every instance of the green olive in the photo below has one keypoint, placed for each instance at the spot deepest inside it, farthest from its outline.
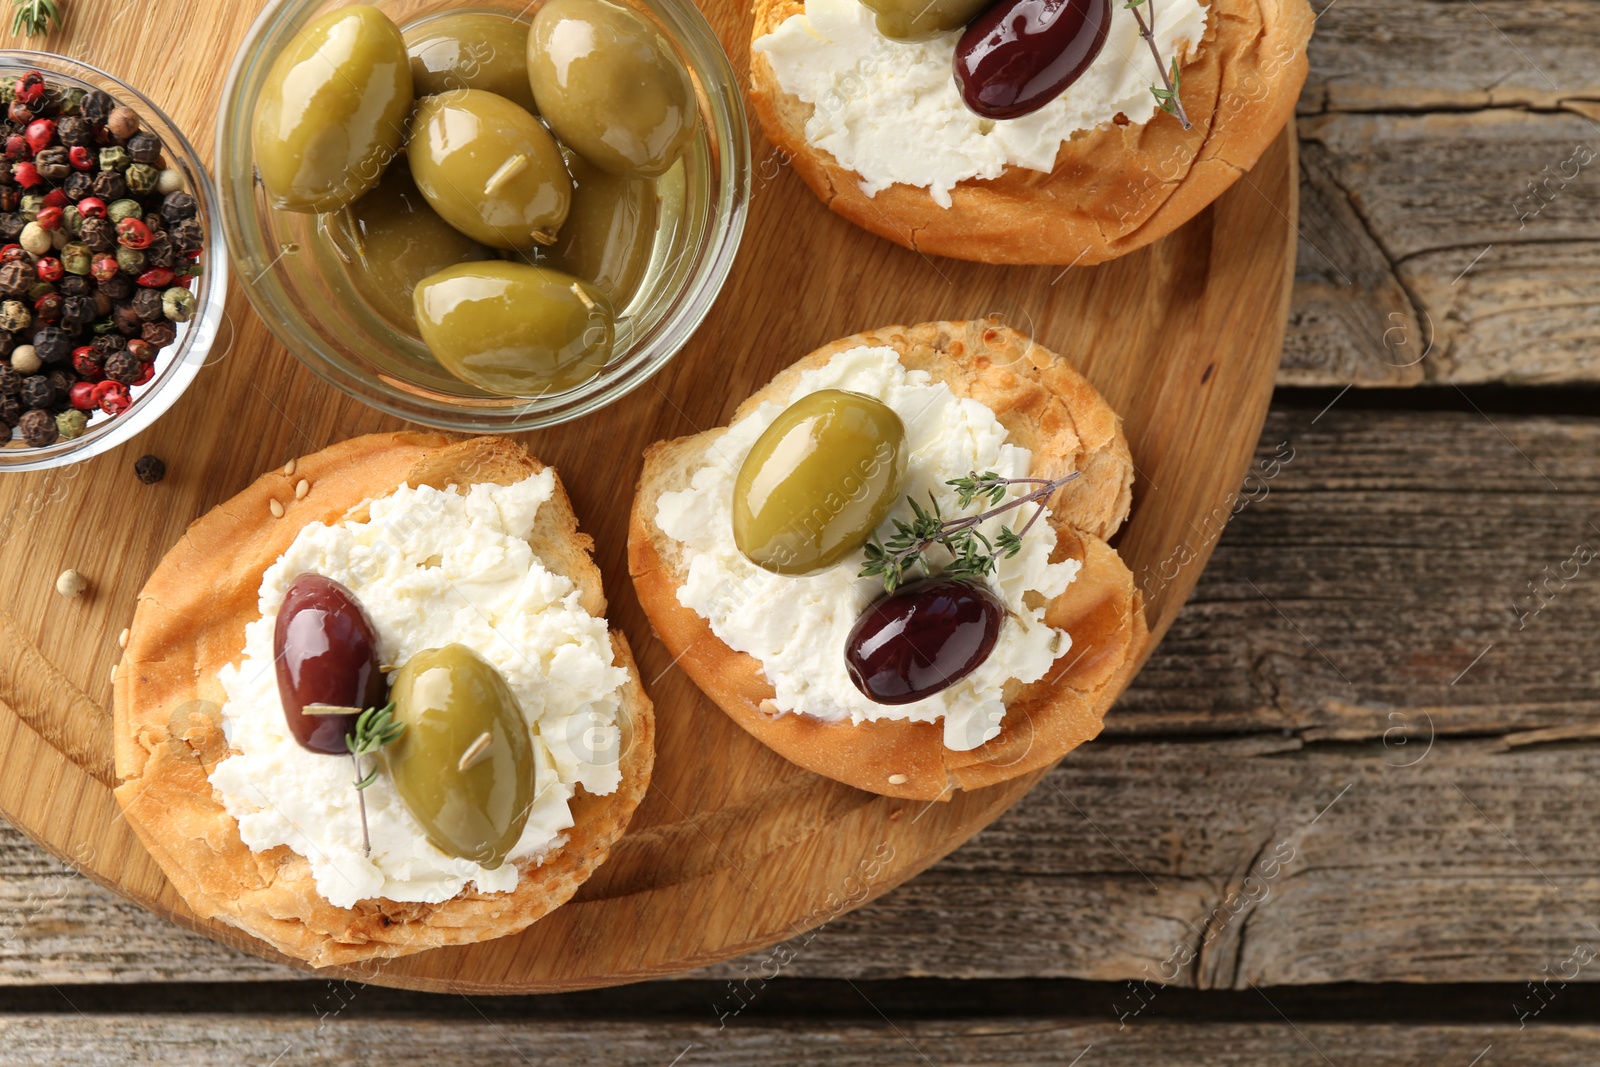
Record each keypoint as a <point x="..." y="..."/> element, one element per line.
<point x="464" y="765"/>
<point x="471" y="51"/>
<point x="332" y="113"/>
<point x="610" y="232"/>
<point x="396" y="240"/>
<point x="610" y="86"/>
<point x="489" y="168"/>
<point x="918" y="20"/>
<point x="818" y="481"/>
<point x="514" y="329"/>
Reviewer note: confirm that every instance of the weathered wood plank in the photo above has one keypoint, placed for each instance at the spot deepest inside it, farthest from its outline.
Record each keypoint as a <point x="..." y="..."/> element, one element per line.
<point x="219" y="1040"/>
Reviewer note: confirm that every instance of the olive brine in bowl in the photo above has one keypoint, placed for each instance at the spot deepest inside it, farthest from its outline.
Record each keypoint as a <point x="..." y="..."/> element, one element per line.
<point x="488" y="217"/>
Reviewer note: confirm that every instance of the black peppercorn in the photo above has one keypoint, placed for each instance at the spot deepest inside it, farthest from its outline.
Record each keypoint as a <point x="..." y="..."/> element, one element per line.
<point x="16" y="278"/>
<point x="6" y="177"/>
<point x="10" y="409"/>
<point x="10" y="382"/>
<point x="161" y="253"/>
<point x="38" y="428"/>
<point x="98" y="234"/>
<point x="117" y="287"/>
<point x="144" y="147"/>
<point x="150" y="469"/>
<point x="19" y="112"/>
<point x="74" y="285"/>
<point x="123" y="367"/>
<point x="11" y="224"/>
<point x="154" y="223"/>
<point x="97" y="107"/>
<point x="53" y="164"/>
<point x="105" y="345"/>
<point x="109" y="186"/>
<point x="5" y="432"/>
<point x="78" y="185"/>
<point x="187" y="235"/>
<point x="37" y="392"/>
<point x="102" y="305"/>
<point x="8" y="341"/>
<point x="61" y="381"/>
<point x="10" y="200"/>
<point x="178" y="206"/>
<point x="147" y="302"/>
<point x="126" y="320"/>
<point x="160" y="334"/>
<point x="53" y="344"/>
<point x="77" y="313"/>
<point x="74" y="132"/>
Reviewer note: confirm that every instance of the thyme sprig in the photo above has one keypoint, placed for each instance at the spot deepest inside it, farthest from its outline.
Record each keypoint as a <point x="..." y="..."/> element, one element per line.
<point x="1166" y="93"/>
<point x="374" y="728"/>
<point x="32" y="18"/>
<point x="972" y="553"/>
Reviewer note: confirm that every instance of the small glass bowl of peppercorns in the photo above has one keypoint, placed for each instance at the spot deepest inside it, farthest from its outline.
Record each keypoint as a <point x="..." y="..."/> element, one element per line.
<point x="112" y="275"/>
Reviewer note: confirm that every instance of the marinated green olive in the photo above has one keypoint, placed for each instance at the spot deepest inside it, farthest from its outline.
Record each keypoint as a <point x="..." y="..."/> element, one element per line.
<point x="471" y="51"/>
<point x="395" y="240"/>
<point x="610" y="231"/>
<point x="333" y="111"/>
<point x="917" y="20"/>
<point x="514" y="329"/>
<point x="818" y="481"/>
<point x="610" y="86"/>
<point x="489" y="168"/>
<point x="464" y="765"/>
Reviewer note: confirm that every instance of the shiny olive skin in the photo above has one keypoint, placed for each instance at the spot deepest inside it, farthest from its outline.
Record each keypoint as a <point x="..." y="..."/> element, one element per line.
<point x="447" y="698"/>
<point x="610" y="86"/>
<point x="489" y="168"/>
<point x="1021" y="54"/>
<point x="471" y="51"/>
<point x="610" y="232"/>
<point x="326" y="652"/>
<point x="923" y="639"/>
<point x="332" y="113"/>
<point x="918" y="20"/>
<point x="398" y="240"/>
<point x="818" y="481"/>
<point x="514" y="329"/>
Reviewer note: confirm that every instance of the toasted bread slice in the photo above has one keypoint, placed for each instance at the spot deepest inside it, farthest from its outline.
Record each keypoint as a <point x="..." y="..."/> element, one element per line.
<point x="190" y="622"/>
<point x="1045" y="406"/>
<point x="1114" y="188"/>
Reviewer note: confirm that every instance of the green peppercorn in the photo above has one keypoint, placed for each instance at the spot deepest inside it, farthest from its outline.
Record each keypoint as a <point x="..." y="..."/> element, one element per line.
<point x="142" y="178"/>
<point x="114" y="157"/>
<point x="124" y="209"/>
<point x="177" y="304"/>
<point x="103" y="326"/>
<point x="31" y="205"/>
<point x="76" y="257"/>
<point x="8" y="88"/>
<point x="71" y="423"/>
<point x="15" y="316"/>
<point x="72" y="100"/>
<point x="71" y="220"/>
<point x="131" y="260"/>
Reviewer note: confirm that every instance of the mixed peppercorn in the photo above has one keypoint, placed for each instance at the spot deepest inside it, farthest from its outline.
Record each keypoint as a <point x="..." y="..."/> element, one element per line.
<point x="99" y="248"/>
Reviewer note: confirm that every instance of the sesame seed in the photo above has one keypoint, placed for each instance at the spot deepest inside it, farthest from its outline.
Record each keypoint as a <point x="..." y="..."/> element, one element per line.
<point x="288" y="468"/>
<point x="122" y="638"/>
<point x="277" y="508"/>
<point x="897" y="779"/>
<point x="302" y="489"/>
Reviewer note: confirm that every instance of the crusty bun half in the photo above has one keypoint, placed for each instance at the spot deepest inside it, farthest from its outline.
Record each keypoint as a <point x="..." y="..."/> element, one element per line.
<point x="190" y="621"/>
<point x="1114" y="188"/>
<point x="1046" y="407"/>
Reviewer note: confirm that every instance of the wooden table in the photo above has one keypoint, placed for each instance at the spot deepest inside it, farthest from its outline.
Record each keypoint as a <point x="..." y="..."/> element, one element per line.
<point x="1346" y="814"/>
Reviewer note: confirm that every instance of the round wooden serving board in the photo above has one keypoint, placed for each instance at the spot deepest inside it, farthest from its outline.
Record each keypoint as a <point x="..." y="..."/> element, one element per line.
<point x="733" y="848"/>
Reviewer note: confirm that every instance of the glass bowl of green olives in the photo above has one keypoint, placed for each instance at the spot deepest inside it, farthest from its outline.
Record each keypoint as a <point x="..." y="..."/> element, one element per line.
<point x="485" y="217"/>
<point x="97" y="343"/>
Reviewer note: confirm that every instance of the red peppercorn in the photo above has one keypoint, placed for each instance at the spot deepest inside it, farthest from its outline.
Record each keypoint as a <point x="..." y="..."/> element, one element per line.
<point x="17" y="148"/>
<point x="40" y="133"/>
<point x="185" y="281"/>
<point x="56" y="198"/>
<point x="132" y="233"/>
<point x="104" y="268"/>
<point x="82" y="396"/>
<point x="155" y="278"/>
<point x="92" y="207"/>
<point x="141" y="350"/>
<point x="48" y="307"/>
<point x="146" y="374"/>
<point x="30" y="87"/>
<point x="13" y="252"/>
<point x="88" y="363"/>
<point x="112" y="397"/>
<point x="49" y="219"/>
<point x="80" y="158"/>
<point x="27" y="175"/>
<point x="50" y="268"/>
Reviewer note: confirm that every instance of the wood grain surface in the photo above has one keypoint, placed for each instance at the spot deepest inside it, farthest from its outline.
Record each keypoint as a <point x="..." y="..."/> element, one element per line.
<point x="733" y="848"/>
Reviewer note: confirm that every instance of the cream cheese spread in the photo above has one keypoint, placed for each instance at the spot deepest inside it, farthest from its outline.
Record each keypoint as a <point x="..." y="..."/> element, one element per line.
<point x="430" y="567"/>
<point x="797" y="626"/>
<point x="891" y="110"/>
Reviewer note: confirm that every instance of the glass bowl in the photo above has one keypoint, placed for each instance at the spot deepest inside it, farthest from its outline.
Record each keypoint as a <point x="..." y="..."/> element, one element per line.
<point x="178" y="363"/>
<point x="309" y="303"/>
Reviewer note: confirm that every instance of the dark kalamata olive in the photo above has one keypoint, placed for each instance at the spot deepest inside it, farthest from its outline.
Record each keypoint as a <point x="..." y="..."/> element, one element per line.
<point x="327" y="653"/>
<point x="922" y="639"/>
<point x="1020" y="54"/>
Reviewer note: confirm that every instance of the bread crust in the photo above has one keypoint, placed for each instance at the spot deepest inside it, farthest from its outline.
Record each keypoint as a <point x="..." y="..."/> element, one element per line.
<point x="1047" y="407"/>
<point x="190" y="621"/>
<point x="1113" y="188"/>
